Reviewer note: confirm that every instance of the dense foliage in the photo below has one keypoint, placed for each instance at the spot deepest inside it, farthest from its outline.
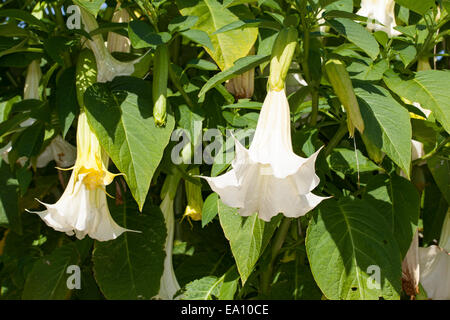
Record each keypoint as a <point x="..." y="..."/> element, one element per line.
<point x="163" y="88"/>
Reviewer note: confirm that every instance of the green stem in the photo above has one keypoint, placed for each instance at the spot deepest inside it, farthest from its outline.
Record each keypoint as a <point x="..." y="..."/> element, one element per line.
<point x="266" y="276"/>
<point x="314" y="106"/>
<point x="176" y="83"/>
<point x="340" y="133"/>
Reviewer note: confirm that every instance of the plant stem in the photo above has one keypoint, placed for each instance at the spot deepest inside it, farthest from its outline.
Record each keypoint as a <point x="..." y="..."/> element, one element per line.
<point x="340" y="133"/>
<point x="314" y="106"/>
<point x="266" y="276"/>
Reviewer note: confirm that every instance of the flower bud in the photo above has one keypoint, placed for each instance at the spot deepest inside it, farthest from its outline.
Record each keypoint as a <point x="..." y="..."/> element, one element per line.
<point x="282" y="53"/>
<point x="34" y="74"/>
<point x="160" y="77"/>
<point x="342" y="86"/>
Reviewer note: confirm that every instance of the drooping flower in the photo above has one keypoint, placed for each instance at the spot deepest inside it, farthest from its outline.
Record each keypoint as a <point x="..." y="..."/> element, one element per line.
<point x="380" y="15"/>
<point x="117" y="42"/>
<point x="435" y="265"/>
<point x="108" y="67"/>
<point x="194" y="206"/>
<point x="411" y="268"/>
<point x="59" y="150"/>
<point x="270" y="178"/>
<point x="82" y="209"/>
<point x="242" y="86"/>
<point x="169" y="284"/>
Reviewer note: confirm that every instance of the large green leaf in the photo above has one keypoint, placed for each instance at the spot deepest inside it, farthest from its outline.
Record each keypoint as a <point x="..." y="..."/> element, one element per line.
<point x="344" y="241"/>
<point x="357" y="34"/>
<point x="426" y="88"/>
<point x="131" y="266"/>
<point x="398" y="201"/>
<point x="248" y="237"/>
<point x="120" y="113"/>
<point x="420" y="7"/>
<point x="66" y="100"/>
<point x="48" y="278"/>
<point x="228" y="46"/>
<point x="387" y="123"/>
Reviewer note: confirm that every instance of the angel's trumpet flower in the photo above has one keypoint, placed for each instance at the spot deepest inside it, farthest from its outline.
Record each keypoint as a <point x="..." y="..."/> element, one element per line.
<point x="379" y="11"/>
<point x="108" y="67"/>
<point x="242" y="86"/>
<point x="117" y="42"/>
<point x="194" y="198"/>
<point x="411" y="268"/>
<point x="270" y="178"/>
<point x="82" y="209"/>
<point x="169" y="284"/>
<point x="435" y="265"/>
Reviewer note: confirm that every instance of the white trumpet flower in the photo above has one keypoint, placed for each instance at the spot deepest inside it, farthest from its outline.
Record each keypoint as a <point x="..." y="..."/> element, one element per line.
<point x="270" y="178"/>
<point x="107" y="66"/>
<point x="379" y="11"/>
<point x="435" y="265"/>
<point x="82" y="209"/>
<point x="117" y="42"/>
<point x="169" y="284"/>
<point x="59" y="150"/>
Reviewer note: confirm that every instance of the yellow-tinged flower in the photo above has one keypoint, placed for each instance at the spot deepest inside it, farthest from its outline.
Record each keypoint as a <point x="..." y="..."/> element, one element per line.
<point x="82" y="209"/>
<point x="380" y="15"/>
<point x="194" y="198"/>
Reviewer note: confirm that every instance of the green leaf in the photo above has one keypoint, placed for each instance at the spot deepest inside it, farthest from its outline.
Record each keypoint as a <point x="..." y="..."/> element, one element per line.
<point x="387" y="123"/>
<point x="421" y="7"/>
<point x="201" y="64"/>
<point x="248" y="237"/>
<point x="344" y="239"/>
<point x="356" y="34"/>
<point x="182" y="23"/>
<point x="350" y="161"/>
<point x="210" y="208"/>
<point x="48" y="278"/>
<point x="426" y="89"/>
<point x="92" y="6"/>
<point x="131" y="266"/>
<point x="142" y="35"/>
<point x="199" y="37"/>
<point x="440" y="169"/>
<point x="240" y="66"/>
<point x="398" y="201"/>
<point x="228" y="46"/>
<point x="66" y="99"/>
<point x="371" y="72"/>
<point x="230" y="284"/>
<point x="249" y="23"/>
<point x="30" y="141"/>
<point x="120" y="116"/>
<point x="203" y="289"/>
<point x="24" y="16"/>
